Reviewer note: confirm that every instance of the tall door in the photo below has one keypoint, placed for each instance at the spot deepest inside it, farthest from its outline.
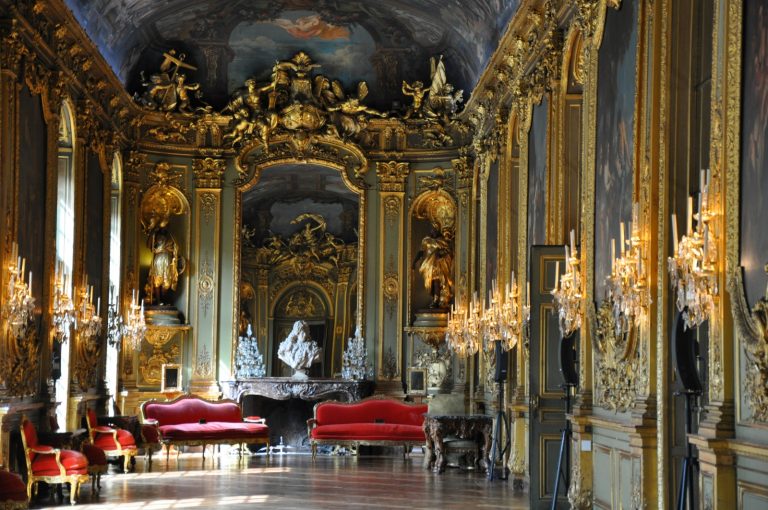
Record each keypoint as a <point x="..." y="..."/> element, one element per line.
<point x="547" y="405"/>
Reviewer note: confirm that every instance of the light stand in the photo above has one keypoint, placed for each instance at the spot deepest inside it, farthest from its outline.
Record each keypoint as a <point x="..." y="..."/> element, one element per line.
<point x="564" y="470"/>
<point x="496" y="451"/>
<point x="689" y="461"/>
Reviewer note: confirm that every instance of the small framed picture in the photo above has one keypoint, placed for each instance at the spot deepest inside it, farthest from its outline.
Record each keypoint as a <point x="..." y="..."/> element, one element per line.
<point x="417" y="381"/>
<point x="171" y="378"/>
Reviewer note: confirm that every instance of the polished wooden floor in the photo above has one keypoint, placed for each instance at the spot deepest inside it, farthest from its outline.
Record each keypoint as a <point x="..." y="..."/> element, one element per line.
<point x="293" y="482"/>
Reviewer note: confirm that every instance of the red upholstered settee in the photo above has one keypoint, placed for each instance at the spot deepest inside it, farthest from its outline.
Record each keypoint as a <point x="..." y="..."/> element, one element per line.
<point x="372" y="421"/>
<point x="192" y="420"/>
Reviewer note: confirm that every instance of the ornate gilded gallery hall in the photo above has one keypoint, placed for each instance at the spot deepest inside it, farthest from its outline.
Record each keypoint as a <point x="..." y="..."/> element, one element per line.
<point x="394" y="254"/>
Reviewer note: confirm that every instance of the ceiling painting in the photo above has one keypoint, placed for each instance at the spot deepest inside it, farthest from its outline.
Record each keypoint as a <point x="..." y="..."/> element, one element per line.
<point x="383" y="42"/>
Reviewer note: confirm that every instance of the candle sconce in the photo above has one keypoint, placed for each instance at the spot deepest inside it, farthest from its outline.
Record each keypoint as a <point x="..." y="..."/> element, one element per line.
<point x="18" y="345"/>
<point x="567" y="291"/>
<point x="627" y="287"/>
<point x="693" y="266"/>
<point x="63" y="308"/>
<point x="87" y="326"/>
<point x="135" y="327"/>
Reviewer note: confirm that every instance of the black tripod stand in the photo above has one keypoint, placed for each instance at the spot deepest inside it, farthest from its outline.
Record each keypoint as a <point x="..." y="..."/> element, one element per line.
<point x="564" y="470"/>
<point x="496" y="451"/>
<point x="689" y="462"/>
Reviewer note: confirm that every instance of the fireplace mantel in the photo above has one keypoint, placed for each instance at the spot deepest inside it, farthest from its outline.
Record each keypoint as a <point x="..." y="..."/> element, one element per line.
<point x="284" y="388"/>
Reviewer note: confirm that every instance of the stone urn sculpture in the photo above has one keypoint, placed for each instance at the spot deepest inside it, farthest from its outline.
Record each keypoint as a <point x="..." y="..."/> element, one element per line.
<point x="298" y="351"/>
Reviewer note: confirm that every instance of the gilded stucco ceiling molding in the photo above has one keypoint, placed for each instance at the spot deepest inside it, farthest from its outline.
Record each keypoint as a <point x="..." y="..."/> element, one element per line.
<point x="60" y="43"/>
<point x="12" y="49"/>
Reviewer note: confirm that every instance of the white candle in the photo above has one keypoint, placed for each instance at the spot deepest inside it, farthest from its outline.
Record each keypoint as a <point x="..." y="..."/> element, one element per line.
<point x="702" y="179"/>
<point x="23" y="265"/>
<point x="613" y="252"/>
<point x="567" y="260"/>
<point x="528" y="293"/>
<point x="674" y="232"/>
<point x="706" y="242"/>
<point x="689" y="216"/>
<point x="557" y="273"/>
<point x="699" y="223"/>
<point x="30" y="280"/>
<point x="98" y="306"/>
<point x="573" y="242"/>
<point x="621" y="246"/>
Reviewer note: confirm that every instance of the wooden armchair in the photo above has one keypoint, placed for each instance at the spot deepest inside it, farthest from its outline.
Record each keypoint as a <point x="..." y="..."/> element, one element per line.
<point x="113" y="441"/>
<point x="51" y="465"/>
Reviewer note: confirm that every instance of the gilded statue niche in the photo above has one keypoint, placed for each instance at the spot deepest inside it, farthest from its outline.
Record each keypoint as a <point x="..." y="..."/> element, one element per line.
<point x="160" y="203"/>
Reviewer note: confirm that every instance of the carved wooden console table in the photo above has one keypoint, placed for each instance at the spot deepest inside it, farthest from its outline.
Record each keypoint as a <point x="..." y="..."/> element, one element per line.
<point x="284" y="388"/>
<point x="437" y="428"/>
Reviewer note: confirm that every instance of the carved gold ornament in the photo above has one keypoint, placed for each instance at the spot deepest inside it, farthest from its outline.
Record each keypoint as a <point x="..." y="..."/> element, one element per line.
<point x="753" y="328"/>
<point x="621" y="361"/>
<point x="297" y="103"/>
<point x="162" y="200"/>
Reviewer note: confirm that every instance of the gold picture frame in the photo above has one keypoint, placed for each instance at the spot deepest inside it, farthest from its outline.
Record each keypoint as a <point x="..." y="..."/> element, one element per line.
<point x="171" y="377"/>
<point x="417" y="381"/>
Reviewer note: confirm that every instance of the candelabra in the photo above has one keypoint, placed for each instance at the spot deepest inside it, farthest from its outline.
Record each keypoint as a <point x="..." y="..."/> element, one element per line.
<point x="692" y="268"/>
<point x="464" y="329"/>
<point x="135" y="327"/>
<point x="567" y="291"/>
<point x="19" y="305"/>
<point x="627" y="288"/>
<point x="87" y="319"/>
<point x="19" y="358"/>
<point x="63" y="308"/>
<point x="503" y="320"/>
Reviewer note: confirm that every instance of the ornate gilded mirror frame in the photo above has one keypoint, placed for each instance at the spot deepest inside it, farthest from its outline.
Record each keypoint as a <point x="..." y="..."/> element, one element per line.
<point x="321" y="150"/>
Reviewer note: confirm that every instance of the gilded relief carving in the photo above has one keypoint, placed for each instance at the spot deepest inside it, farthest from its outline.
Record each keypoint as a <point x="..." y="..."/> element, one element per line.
<point x="203" y="367"/>
<point x="208" y="202"/>
<point x="205" y="286"/>
<point x="161" y="346"/>
<point x="392" y="175"/>
<point x="752" y="327"/>
<point x="209" y="172"/>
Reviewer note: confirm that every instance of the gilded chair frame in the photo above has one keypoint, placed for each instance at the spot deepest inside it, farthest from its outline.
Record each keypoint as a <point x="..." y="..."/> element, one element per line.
<point x="74" y="480"/>
<point x="128" y="454"/>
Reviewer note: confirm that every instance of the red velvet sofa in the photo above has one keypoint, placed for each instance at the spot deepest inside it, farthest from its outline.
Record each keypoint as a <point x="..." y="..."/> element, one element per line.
<point x="193" y="421"/>
<point x="372" y="421"/>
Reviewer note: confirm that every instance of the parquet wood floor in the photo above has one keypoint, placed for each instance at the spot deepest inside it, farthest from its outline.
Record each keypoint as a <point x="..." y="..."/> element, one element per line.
<point x="290" y="482"/>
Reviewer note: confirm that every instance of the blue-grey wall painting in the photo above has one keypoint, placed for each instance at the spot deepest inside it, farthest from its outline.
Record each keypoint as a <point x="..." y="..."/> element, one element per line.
<point x="754" y="159"/>
<point x="615" y="134"/>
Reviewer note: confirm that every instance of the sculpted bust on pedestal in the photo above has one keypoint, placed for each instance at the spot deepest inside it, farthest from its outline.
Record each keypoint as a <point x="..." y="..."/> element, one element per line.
<point x="298" y="351"/>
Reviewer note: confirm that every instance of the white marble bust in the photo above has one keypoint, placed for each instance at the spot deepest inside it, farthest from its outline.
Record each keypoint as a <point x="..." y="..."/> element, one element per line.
<point x="298" y="351"/>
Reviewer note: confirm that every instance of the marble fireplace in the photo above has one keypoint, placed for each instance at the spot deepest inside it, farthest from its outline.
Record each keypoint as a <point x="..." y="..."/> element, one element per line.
<point x="287" y="404"/>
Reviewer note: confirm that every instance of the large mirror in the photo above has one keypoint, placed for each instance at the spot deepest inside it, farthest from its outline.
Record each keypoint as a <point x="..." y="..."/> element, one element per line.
<point x="300" y="225"/>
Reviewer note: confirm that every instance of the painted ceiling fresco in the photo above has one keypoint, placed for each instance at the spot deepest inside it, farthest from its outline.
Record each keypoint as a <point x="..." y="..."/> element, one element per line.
<point x="383" y="42"/>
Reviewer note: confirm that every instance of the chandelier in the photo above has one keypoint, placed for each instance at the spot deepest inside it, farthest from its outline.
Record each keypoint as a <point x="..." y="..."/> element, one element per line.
<point x="63" y="307"/>
<point x="135" y="327"/>
<point x="503" y="320"/>
<point x="567" y="291"/>
<point x="464" y="328"/>
<point x="19" y="305"/>
<point x="627" y="288"/>
<point x="692" y="268"/>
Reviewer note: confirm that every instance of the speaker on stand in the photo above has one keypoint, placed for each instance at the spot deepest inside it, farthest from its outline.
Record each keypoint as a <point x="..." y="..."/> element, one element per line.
<point x="497" y="452"/>
<point x="568" y="359"/>
<point x="686" y="348"/>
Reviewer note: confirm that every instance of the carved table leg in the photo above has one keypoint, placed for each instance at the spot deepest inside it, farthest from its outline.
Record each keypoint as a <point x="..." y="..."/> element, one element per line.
<point x="440" y="461"/>
<point x="486" y="447"/>
<point x="430" y="445"/>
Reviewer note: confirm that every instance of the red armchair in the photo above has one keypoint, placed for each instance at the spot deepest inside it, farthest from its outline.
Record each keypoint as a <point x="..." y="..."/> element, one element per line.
<point x="51" y="465"/>
<point x="115" y="442"/>
<point x="13" y="493"/>
<point x="97" y="465"/>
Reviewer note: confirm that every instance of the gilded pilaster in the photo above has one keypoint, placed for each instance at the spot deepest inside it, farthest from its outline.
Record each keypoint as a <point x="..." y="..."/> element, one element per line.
<point x="209" y="174"/>
<point x="134" y="163"/>
<point x="391" y="178"/>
